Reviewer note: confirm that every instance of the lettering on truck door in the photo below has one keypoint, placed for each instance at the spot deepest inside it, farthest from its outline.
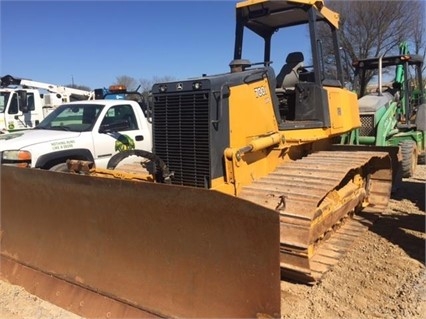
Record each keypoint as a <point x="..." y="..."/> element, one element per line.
<point x="119" y="130"/>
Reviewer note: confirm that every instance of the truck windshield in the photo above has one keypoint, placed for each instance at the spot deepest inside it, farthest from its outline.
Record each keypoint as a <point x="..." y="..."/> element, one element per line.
<point x="75" y="118"/>
<point x="4" y="98"/>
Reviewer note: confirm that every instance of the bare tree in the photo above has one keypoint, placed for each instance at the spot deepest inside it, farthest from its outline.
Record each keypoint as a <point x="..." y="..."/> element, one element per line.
<point x="374" y="28"/>
<point x="146" y="84"/>
<point x="419" y="32"/>
<point x="129" y="82"/>
<point x="79" y="87"/>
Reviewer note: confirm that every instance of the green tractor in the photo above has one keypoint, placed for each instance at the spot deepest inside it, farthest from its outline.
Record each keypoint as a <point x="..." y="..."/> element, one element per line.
<point x="395" y="114"/>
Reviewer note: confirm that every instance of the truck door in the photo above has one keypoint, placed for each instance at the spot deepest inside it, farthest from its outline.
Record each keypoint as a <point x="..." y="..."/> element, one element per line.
<point x="11" y="111"/>
<point x="32" y="114"/>
<point x="4" y="99"/>
<point x="119" y="130"/>
<point x="17" y="117"/>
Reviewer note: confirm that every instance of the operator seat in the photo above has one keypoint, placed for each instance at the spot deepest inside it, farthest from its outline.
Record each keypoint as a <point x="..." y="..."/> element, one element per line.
<point x="288" y="76"/>
<point x="285" y="85"/>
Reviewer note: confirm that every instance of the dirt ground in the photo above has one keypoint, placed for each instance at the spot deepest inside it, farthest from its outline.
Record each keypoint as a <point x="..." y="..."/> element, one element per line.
<point x="382" y="276"/>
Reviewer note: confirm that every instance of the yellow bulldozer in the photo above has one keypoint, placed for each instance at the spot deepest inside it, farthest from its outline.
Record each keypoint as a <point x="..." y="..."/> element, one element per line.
<point x="243" y="187"/>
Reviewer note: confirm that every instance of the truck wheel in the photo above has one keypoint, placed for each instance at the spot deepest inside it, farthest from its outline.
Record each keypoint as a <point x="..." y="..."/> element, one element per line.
<point x="409" y="158"/>
<point x="62" y="167"/>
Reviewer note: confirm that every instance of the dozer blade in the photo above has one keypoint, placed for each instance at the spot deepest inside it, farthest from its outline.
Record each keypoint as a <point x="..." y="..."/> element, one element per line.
<point x="314" y="196"/>
<point x="110" y="248"/>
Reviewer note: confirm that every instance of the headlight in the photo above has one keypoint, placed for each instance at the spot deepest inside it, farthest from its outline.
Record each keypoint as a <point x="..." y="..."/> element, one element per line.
<point x="196" y="85"/>
<point x="16" y="158"/>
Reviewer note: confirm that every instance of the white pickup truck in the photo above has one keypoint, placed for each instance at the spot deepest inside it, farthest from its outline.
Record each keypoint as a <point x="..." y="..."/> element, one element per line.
<point x="86" y="130"/>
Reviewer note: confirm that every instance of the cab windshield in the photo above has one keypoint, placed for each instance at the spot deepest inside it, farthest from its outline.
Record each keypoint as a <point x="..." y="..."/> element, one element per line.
<point x="75" y="118"/>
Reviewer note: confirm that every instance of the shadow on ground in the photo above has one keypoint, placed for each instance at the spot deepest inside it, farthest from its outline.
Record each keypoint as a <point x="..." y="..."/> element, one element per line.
<point x="402" y="226"/>
<point x="414" y="191"/>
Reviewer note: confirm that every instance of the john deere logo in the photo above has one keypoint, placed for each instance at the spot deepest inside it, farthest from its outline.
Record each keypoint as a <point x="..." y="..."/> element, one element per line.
<point x="124" y="143"/>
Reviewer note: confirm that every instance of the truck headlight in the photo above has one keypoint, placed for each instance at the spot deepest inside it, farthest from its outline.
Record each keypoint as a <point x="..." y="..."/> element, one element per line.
<point x="16" y="158"/>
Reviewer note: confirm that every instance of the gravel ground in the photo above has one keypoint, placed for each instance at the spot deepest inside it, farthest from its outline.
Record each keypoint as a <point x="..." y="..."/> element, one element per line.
<point x="383" y="276"/>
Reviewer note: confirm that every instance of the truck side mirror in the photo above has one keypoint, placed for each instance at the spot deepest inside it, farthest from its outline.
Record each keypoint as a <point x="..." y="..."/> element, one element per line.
<point x="24" y="109"/>
<point x="22" y="98"/>
<point x="99" y="94"/>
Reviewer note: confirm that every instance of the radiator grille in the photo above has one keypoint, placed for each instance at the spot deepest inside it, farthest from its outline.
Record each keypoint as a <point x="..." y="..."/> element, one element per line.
<point x="181" y="136"/>
<point x="367" y="125"/>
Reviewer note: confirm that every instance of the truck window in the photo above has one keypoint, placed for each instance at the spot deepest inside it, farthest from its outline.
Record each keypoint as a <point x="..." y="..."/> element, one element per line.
<point x="13" y="109"/>
<point x="76" y="118"/>
<point x="30" y="101"/>
<point x="119" y="113"/>
<point x="4" y="97"/>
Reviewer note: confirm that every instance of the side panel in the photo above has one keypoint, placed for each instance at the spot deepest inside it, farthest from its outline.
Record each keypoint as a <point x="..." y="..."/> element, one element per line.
<point x="251" y="112"/>
<point x="170" y="250"/>
<point x="344" y="112"/>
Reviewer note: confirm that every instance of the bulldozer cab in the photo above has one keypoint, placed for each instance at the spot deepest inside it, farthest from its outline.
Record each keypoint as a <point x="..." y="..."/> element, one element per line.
<point x="303" y="71"/>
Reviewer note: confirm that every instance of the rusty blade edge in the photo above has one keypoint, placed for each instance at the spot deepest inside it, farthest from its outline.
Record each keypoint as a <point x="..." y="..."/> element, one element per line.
<point x="67" y="295"/>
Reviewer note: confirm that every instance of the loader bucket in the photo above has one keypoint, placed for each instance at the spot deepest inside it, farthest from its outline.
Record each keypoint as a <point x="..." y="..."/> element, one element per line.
<point x="110" y="248"/>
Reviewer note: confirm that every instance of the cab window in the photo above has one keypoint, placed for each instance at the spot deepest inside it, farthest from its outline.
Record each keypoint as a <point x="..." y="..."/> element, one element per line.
<point x="121" y="114"/>
<point x="30" y="101"/>
<point x="13" y="108"/>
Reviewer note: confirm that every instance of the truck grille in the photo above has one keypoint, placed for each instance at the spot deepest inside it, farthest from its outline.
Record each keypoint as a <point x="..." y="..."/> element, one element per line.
<point x="367" y="125"/>
<point x="181" y="136"/>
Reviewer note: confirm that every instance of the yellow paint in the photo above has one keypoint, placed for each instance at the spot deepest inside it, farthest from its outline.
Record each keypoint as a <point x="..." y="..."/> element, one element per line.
<point x="257" y="146"/>
<point x="331" y="16"/>
<point x="344" y="112"/>
<point x="251" y="113"/>
<point x="249" y="3"/>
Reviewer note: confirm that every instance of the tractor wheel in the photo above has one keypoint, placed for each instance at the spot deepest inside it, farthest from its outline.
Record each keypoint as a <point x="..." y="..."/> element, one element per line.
<point x="409" y="158"/>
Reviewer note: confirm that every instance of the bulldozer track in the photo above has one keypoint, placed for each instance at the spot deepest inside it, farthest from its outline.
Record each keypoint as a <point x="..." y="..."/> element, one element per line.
<point x="332" y="250"/>
<point x="299" y="191"/>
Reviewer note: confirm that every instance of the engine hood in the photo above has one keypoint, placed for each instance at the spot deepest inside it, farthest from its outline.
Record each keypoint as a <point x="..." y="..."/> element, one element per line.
<point x="23" y="139"/>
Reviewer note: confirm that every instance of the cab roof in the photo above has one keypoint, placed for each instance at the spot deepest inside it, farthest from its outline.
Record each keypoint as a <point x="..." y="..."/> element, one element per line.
<point x="265" y="17"/>
<point x="373" y="63"/>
